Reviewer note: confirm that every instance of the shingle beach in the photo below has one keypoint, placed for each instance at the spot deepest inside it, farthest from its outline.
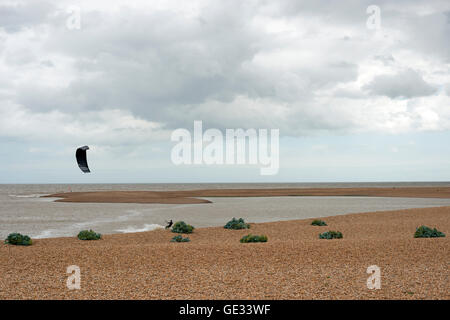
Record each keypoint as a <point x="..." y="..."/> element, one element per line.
<point x="293" y="264"/>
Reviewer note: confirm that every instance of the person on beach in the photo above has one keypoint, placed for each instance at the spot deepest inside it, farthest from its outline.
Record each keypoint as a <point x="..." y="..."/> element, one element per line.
<point x="169" y="224"/>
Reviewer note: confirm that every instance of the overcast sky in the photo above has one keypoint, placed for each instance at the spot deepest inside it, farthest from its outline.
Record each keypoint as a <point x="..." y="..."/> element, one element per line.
<point x="352" y="103"/>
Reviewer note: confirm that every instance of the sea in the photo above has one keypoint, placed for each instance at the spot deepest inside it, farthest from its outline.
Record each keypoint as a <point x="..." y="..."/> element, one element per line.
<point x="23" y="210"/>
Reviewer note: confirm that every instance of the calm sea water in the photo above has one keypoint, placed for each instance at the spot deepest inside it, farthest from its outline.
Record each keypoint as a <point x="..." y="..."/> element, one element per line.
<point x="22" y="210"/>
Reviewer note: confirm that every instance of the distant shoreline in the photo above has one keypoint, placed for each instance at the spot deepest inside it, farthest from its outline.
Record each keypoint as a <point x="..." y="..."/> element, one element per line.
<point x="194" y="196"/>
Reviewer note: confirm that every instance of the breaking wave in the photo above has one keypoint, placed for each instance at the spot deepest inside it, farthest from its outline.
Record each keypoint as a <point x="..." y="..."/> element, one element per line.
<point x="26" y="195"/>
<point x="146" y="227"/>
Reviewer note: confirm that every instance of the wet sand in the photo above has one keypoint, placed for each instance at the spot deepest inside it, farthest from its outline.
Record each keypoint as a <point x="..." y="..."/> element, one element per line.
<point x="293" y="264"/>
<point x="191" y="196"/>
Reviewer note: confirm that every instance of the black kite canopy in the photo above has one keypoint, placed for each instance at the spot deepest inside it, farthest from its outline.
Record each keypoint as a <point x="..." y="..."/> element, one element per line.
<point x="82" y="159"/>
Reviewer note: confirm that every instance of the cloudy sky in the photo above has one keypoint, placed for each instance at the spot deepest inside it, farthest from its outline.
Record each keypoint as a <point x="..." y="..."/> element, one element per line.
<point x="352" y="102"/>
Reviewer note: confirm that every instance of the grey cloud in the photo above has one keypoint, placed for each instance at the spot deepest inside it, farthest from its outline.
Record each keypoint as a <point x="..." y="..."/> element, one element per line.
<point x="447" y="89"/>
<point x="47" y="63"/>
<point x="348" y="93"/>
<point x="427" y="33"/>
<point x="387" y="59"/>
<point x="15" y="17"/>
<point x="405" y="84"/>
<point x="169" y="68"/>
<point x="158" y="65"/>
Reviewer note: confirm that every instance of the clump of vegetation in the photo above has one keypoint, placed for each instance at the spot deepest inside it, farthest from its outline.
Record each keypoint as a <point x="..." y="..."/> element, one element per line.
<point x="18" y="239"/>
<point x="89" y="235"/>
<point x="179" y="238"/>
<point x="425" y="232"/>
<point x="182" y="227"/>
<point x="318" y="222"/>
<point x="237" y="224"/>
<point x="331" y="235"/>
<point x="253" y="238"/>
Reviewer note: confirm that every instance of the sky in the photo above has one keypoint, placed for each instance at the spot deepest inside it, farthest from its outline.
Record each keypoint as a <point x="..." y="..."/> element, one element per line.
<point x="356" y="94"/>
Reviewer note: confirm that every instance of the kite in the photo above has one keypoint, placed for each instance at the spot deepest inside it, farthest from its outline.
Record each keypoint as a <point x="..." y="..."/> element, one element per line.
<point x="81" y="159"/>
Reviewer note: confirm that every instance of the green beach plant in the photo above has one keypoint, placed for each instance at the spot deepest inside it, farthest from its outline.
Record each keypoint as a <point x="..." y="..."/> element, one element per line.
<point x="253" y="238"/>
<point x="179" y="238"/>
<point x="236" y="224"/>
<point x="318" y="222"/>
<point x="426" y="232"/>
<point x="18" y="239"/>
<point x="89" y="235"/>
<point x="182" y="227"/>
<point x="331" y="235"/>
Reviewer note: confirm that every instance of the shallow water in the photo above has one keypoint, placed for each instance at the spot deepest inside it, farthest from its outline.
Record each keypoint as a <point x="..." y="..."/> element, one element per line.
<point x="22" y="210"/>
